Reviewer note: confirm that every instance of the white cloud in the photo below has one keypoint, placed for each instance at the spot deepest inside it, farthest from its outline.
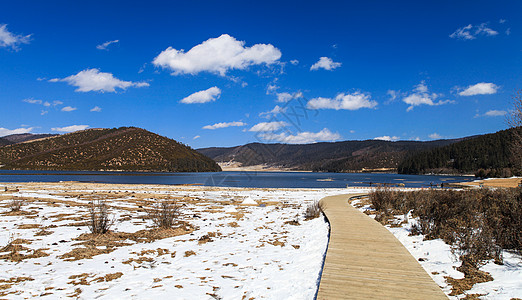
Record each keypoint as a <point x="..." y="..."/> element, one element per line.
<point x="268" y="126"/>
<point x="224" y="125"/>
<point x="387" y="138"/>
<point x="216" y="55"/>
<point x="44" y="103"/>
<point x="304" y="137"/>
<point x="5" y="131"/>
<point x="204" y="96"/>
<point x="96" y="109"/>
<point x="106" y="44"/>
<point x="492" y="113"/>
<point x="502" y="21"/>
<point x="93" y="80"/>
<point x="508" y="31"/>
<point x="325" y="63"/>
<point x="435" y="136"/>
<point x="33" y="101"/>
<point x="69" y="108"/>
<point x="71" y="128"/>
<point x="196" y="137"/>
<point x="482" y="88"/>
<point x="275" y="111"/>
<point x="354" y="101"/>
<point x="471" y="32"/>
<point x="421" y="96"/>
<point x="271" y="88"/>
<point x="294" y="62"/>
<point x="10" y="40"/>
<point x="44" y="112"/>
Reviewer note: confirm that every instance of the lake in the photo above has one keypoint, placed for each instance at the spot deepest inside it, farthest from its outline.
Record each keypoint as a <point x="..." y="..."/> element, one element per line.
<point x="235" y="179"/>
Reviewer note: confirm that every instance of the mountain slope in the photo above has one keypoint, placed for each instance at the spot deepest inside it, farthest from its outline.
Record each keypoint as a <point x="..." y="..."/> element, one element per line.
<point x="4" y="142"/>
<point x="488" y="152"/>
<point x="344" y="156"/>
<point x="125" y="148"/>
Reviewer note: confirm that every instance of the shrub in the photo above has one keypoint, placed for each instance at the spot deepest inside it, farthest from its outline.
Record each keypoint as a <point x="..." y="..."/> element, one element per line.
<point x="164" y="214"/>
<point x="16" y="204"/>
<point x="477" y="223"/>
<point x="313" y="210"/>
<point x="99" y="222"/>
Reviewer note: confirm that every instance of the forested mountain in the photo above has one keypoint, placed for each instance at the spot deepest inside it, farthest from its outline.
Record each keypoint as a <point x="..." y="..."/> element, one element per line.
<point x="347" y="156"/>
<point x="125" y="148"/>
<point x="490" y="152"/>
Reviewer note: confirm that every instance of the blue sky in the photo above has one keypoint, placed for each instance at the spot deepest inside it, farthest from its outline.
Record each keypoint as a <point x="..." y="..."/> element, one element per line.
<point x="225" y="73"/>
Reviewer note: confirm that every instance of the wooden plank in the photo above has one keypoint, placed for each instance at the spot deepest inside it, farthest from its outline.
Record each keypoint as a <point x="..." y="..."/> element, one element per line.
<point x="365" y="261"/>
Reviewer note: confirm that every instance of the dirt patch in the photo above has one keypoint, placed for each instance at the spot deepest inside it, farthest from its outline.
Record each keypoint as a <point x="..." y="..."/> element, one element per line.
<point x="471" y="276"/>
<point x="189" y="253"/>
<point x="85" y="252"/>
<point x="28" y="226"/>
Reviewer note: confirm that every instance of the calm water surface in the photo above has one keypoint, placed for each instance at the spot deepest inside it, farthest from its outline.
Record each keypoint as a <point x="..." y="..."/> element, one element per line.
<point x="235" y="179"/>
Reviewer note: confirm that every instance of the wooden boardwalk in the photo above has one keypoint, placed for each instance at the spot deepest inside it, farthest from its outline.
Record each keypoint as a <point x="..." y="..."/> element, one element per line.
<point x="365" y="261"/>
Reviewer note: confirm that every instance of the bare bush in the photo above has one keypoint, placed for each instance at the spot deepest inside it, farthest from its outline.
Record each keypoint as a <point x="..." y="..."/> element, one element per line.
<point x="99" y="222"/>
<point x="477" y="223"/>
<point x="16" y="204"/>
<point x="164" y="214"/>
<point x="313" y="210"/>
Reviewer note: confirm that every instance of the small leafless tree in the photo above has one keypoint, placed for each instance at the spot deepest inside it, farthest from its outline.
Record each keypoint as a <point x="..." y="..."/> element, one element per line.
<point x="514" y="120"/>
<point x="164" y="214"/>
<point x="99" y="222"/>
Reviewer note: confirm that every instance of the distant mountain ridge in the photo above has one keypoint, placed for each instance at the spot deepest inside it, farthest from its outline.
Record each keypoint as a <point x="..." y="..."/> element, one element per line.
<point x="346" y="156"/>
<point x="25" y="137"/>
<point x="124" y="148"/>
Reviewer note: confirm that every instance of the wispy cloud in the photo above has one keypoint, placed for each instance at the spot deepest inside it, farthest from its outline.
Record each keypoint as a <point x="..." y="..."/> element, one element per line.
<point x="196" y="137"/>
<point x="482" y="88"/>
<point x="69" y="108"/>
<point x="71" y="128"/>
<point x="492" y="113"/>
<point x="204" y="96"/>
<point x="96" y="109"/>
<point x="106" y="44"/>
<point x="275" y="111"/>
<point x="217" y="55"/>
<point x="5" y="131"/>
<point x="11" y="40"/>
<point x="325" y="63"/>
<point x="224" y="125"/>
<point x="93" y="80"/>
<point x="305" y="137"/>
<point x="353" y="101"/>
<point x="471" y="32"/>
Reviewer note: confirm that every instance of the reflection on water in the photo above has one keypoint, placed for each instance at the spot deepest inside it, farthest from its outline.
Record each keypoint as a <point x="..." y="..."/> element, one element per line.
<point x="235" y="179"/>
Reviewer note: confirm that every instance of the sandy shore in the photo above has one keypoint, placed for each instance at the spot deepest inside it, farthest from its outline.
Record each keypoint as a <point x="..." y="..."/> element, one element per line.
<point x="495" y="182"/>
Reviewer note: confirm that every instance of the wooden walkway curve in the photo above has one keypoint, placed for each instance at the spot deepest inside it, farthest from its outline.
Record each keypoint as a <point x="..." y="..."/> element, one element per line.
<point x="365" y="261"/>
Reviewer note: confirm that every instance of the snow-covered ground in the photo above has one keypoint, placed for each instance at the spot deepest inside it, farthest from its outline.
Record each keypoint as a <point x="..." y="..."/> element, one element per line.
<point x="436" y="258"/>
<point x="243" y="246"/>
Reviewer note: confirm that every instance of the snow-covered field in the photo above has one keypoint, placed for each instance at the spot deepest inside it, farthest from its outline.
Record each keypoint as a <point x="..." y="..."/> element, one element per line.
<point x="436" y="258"/>
<point x="236" y="244"/>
